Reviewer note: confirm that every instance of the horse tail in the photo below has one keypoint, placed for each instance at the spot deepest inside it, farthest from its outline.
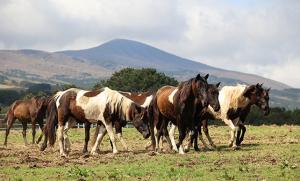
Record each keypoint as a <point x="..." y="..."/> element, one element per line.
<point x="10" y="112"/>
<point x="51" y="123"/>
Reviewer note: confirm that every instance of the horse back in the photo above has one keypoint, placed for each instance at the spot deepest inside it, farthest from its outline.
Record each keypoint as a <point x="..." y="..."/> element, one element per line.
<point x="22" y="110"/>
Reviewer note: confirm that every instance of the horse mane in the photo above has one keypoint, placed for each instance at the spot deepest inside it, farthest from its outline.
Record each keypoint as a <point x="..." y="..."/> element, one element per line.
<point x="119" y="104"/>
<point x="185" y="88"/>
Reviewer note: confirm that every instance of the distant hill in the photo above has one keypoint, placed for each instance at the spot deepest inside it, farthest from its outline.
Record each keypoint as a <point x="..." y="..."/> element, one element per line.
<point x="86" y="67"/>
<point x="120" y="53"/>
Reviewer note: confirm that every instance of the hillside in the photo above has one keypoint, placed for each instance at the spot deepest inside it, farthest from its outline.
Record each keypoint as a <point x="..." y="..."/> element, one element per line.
<point x="86" y="67"/>
<point x="120" y="53"/>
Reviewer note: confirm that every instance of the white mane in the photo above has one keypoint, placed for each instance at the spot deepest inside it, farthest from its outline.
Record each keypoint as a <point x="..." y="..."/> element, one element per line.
<point x="118" y="103"/>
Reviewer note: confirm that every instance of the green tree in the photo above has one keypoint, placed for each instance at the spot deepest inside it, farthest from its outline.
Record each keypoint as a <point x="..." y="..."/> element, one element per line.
<point x="137" y="80"/>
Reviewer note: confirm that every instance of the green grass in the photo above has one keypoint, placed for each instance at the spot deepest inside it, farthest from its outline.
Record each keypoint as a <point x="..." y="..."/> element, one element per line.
<point x="268" y="153"/>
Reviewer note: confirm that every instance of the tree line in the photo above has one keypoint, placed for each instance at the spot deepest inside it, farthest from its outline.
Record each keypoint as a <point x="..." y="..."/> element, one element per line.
<point x="148" y="79"/>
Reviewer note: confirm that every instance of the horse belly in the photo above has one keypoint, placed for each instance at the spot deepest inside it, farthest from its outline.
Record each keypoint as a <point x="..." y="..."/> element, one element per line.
<point x="22" y="113"/>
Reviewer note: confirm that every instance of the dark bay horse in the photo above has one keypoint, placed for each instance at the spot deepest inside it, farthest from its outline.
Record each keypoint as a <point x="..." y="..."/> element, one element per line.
<point x="104" y="105"/>
<point x="178" y="105"/>
<point x="26" y="111"/>
<point x="213" y="101"/>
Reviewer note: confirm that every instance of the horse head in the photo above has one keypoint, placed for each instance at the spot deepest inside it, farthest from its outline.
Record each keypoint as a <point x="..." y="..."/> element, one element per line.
<point x="140" y="121"/>
<point x="258" y="96"/>
<point x="199" y="89"/>
<point x="213" y="96"/>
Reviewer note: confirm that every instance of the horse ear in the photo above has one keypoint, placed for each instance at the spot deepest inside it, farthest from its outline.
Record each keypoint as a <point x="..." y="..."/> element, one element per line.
<point x="206" y="76"/>
<point x="218" y="84"/>
<point x="268" y="90"/>
<point x="198" y="77"/>
<point x="249" y="90"/>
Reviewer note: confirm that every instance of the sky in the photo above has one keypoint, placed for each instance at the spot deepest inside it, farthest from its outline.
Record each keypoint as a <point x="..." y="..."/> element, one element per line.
<point x="252" y="36"/>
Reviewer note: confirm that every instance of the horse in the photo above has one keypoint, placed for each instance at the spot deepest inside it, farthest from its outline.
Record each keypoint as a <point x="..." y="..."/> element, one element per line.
<point x="104" y="105"/>
<point x="143" y="99"/>
<point x="26" y="111"/>
<point x="236" y="102"/>
<point x="213" y="94"/>
<point x="178" y="105"/>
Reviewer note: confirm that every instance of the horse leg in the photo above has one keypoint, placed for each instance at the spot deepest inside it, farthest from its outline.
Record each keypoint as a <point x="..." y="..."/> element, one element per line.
<point x="166" y="134"/>
<point x="172" y="137"/>
<point x="33" y="126"/>
<point x="232" y="133"/>
<point x="189" y="141"/>
<point x="62" y="119"/>
<point x="101" y="134"/>
<point x="10" y="122"/>
<point x="66" y="141"/>
<point x="24" y="124"/>
<point x="205" y="129"/>
<point x="41" y="125"/>
<point x="243" y="129"/>
<point x="196" y="148"/>
<point x="111" y="135"/>
<point x="87" y="137"/>
<point x="182" y="134"/>
<point x="118" y="128"/>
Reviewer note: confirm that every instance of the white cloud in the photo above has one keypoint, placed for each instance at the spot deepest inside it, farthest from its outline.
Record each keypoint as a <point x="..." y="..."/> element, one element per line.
<point x="248" y="36"/>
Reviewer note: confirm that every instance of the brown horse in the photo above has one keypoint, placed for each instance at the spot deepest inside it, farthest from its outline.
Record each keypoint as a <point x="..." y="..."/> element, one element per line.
<point x="26" y="111"/>
<point x="143" y="99"/>
<point x="212" y="94"/>
<point x="178" y="105"/>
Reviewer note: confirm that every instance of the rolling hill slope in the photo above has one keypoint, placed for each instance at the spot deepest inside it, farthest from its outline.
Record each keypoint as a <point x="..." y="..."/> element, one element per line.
<point x="86" y="67"/>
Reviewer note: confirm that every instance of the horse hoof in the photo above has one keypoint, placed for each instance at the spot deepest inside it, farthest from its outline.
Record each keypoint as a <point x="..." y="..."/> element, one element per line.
<point x="197" y="149"/>
<point x="115" y="152"/>
<point x="63" y="155"/>
<point x="235" y="147"/>
<point x="213" y="146"/>
<point x="230" y="144"/>
<point x="94" y="153"/>
<point x="43" y="147"/>
<point x="85" y="155"/>
<point x="181" y="151"/>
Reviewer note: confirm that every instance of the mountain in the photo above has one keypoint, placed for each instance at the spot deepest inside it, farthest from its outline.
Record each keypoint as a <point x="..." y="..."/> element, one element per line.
<point x="120" y="53"/>
<point x="86" y="67"/>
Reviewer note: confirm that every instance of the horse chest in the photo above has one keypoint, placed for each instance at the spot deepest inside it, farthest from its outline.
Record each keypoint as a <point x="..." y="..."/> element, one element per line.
<point x="234" y="113"/>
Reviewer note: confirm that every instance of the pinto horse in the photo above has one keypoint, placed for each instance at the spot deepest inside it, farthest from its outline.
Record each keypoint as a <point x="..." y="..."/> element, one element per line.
<point x="236" y="102"/>
<point x="104" y="105"/>
<point x="178" y="105"/>
<point x="32" y="110"/>
<point x="143" y="99"/>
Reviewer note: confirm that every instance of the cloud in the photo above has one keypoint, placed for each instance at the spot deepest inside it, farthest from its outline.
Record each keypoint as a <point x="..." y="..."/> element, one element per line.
<point x="260" y="37"/>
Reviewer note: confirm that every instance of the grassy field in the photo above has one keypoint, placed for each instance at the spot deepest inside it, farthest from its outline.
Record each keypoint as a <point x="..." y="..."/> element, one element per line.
<point x="268" y="153"/>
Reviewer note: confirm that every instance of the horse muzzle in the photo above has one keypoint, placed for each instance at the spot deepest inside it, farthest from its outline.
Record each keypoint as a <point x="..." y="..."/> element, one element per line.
<point x="146" y="134"/>
<point x="216" y="108"/>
